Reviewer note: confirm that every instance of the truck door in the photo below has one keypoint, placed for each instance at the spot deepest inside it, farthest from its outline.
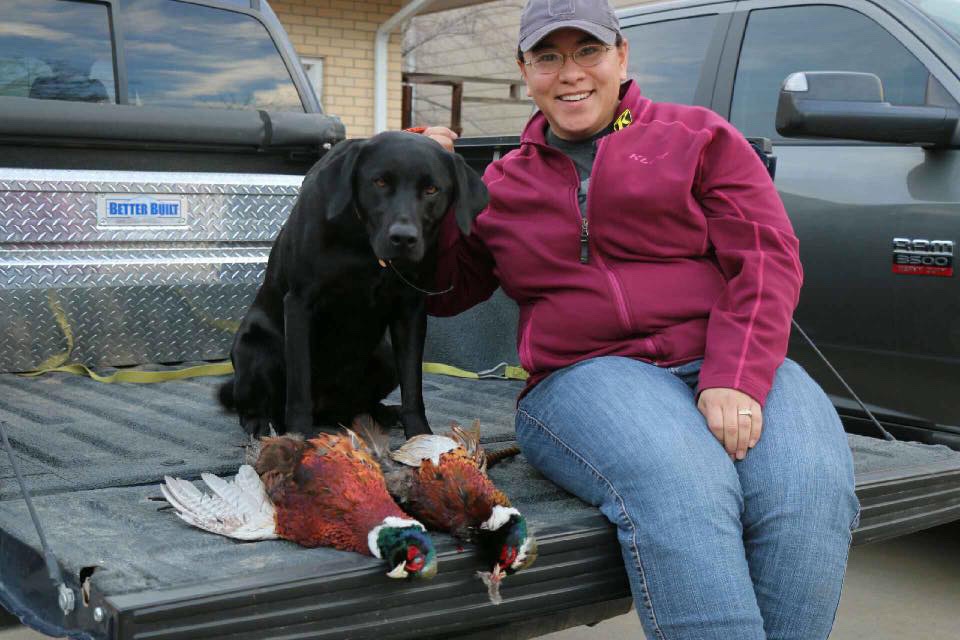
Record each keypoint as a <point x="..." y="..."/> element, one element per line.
<point x="895" y="336"/>
<point x="674" y="54"/>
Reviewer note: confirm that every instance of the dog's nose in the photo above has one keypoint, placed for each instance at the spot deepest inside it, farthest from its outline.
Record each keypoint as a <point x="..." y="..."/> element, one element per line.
<point x="403" y="236"/>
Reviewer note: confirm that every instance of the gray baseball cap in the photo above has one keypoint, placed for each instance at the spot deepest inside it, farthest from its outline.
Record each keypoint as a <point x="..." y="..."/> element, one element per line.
<point x="542" y="17"/>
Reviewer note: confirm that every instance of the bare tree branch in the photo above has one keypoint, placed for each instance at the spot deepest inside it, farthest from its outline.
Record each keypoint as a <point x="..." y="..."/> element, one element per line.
<point x="473" y="21"/>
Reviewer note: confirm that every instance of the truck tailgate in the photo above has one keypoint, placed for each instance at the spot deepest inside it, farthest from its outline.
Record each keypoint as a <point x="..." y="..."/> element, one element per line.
<point x="93" y="455"/>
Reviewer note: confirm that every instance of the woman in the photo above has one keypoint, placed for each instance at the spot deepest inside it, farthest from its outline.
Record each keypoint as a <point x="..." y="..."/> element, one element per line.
<point x="656" y="273"/>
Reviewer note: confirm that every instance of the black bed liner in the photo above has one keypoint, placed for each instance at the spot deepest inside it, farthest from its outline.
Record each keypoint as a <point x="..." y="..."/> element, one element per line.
<point x="93" y="455"/>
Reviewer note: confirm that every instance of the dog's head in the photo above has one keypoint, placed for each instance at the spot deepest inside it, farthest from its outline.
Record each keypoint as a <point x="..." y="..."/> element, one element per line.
<point x="400" y="185"/>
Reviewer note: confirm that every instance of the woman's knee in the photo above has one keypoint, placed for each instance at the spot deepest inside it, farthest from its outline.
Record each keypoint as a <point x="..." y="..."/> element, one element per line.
<point x="802" y="431"/>
<point x="794" y="391"/>
<point x="802" y="464"/>
<point x="817" y="484"/>
<point x="808" y="486"/>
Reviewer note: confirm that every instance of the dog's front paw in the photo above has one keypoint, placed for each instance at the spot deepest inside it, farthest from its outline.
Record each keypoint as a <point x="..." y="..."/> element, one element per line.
<point x="414" y="425"/>
<point x="258" y="427"/>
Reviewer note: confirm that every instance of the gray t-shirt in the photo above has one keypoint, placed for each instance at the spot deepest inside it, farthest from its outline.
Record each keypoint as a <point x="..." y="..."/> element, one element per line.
<point x="582" y="152"/>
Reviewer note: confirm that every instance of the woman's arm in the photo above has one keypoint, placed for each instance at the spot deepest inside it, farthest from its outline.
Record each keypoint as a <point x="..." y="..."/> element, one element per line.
<point x="758" y="254"/>
<point x="749" y="324"/>
<point x="464" y="264"/>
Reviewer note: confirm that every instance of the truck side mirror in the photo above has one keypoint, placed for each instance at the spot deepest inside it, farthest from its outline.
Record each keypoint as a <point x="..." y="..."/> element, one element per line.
<point x="844" y="104"/>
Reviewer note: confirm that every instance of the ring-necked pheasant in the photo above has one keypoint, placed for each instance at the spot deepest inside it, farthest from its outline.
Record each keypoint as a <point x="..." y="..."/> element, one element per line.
<point x="325" y="491"/>
<point x="442" y="481"/>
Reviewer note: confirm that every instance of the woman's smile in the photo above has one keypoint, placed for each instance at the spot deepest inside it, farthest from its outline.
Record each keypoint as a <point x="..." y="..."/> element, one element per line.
<point x="575" y="98"/>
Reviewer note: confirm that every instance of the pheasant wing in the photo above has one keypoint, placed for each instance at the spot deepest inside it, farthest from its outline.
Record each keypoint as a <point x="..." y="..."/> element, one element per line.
<point x="469" y="439"/>
<point x="238" y="509"/>
<point x="424" y="447"/>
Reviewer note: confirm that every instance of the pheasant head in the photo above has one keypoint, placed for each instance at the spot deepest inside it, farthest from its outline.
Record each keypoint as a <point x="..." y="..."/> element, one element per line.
<point x="406" y="547"/>
<point x="442" y="481"/>
<point x="505" y="541"/>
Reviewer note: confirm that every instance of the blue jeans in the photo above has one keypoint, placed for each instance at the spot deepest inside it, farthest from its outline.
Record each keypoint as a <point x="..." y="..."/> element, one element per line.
<point x="714" y="549"/>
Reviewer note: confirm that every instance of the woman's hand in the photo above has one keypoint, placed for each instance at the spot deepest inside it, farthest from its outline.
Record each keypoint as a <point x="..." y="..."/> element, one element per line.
<point x="442" y="135"/>
<point x="734" y="418"/>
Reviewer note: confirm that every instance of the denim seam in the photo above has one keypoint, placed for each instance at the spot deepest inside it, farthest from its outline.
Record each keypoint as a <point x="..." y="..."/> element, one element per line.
<point x="853" y="525"/>
<point x="623" y="511"/>
<point x="856" y="519"/>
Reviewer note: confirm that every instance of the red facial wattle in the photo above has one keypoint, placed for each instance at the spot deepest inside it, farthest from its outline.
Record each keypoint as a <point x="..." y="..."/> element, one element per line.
<point x="507" y="557"/>
<point x="415" y="559"/>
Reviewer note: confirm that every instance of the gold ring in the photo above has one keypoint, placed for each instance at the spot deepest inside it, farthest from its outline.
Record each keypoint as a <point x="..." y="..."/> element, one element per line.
<point x="744" y="412"/>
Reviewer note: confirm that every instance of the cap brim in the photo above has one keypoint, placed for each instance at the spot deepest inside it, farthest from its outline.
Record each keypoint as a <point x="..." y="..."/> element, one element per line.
<point x="605" y="35"/>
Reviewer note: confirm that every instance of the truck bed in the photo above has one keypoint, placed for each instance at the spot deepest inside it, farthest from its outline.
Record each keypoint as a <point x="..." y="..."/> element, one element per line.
<point x="93" y="455"/>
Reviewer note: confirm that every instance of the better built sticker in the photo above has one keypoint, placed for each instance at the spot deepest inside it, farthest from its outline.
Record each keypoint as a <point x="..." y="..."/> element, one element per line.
<point x="141" y="209"/>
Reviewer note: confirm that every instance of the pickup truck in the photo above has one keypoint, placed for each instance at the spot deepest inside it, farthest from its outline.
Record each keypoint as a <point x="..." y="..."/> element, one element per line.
<point x="135" y="222"/>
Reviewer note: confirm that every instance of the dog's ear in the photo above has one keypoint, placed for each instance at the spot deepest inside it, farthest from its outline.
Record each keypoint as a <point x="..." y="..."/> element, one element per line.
<point x="471" y="193"/>
<point x="334" y="176"/>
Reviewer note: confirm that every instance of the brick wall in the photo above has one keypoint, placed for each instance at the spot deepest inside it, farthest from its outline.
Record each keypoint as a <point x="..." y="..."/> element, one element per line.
<point x="342" y="33"/>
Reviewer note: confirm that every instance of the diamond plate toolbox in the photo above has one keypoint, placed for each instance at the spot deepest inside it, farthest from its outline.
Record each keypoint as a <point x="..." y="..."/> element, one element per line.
<point x="115" y="268"/>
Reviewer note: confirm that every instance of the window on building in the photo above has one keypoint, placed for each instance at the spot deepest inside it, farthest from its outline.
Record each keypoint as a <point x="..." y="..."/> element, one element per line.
<point x="187" y="55"/>
<point x="314" y="70"/>
<point x="779" y="42"/>
<point x="56" y="50"/>
<point x="666" y="58"/>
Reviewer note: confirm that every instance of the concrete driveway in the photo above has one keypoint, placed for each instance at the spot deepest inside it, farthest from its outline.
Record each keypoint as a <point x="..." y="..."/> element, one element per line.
<point x="903" y="588"/>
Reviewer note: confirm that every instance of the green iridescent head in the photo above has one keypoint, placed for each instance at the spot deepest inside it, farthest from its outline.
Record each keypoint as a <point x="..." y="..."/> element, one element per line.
<point x="408" y="549"/>
<point x="506" y="541"/>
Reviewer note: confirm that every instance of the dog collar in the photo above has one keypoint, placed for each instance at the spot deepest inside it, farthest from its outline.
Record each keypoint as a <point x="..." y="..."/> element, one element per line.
<point x="413" y="286"/>
<point x="384" y="263"/>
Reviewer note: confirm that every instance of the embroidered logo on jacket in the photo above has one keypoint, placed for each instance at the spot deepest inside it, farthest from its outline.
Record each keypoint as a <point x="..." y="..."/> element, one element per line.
<point x="636" y="157"/>
<point x="624" y="120"/>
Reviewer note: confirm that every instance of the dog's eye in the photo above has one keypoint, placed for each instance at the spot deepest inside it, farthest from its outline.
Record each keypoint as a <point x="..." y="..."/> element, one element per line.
<point x="380" y="182"/>
<point x="430" y="190"/>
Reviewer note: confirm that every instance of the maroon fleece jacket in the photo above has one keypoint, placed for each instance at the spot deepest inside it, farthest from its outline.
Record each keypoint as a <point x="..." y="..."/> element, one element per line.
<point x="691" y="254"/>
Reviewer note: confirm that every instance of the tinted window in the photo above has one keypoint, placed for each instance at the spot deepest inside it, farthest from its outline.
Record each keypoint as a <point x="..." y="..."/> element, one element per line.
<point x="187" y="55"/>
<point x="779" y="42"/>
<point x="666" y="57"/>
<point x="56" y="50"/>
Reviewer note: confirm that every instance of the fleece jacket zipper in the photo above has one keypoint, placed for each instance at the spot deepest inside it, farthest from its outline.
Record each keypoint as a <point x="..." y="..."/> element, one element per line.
<point x="619" y="297"/>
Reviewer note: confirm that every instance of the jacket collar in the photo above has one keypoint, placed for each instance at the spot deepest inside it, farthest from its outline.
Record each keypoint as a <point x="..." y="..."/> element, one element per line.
<point x="630" y="99"/>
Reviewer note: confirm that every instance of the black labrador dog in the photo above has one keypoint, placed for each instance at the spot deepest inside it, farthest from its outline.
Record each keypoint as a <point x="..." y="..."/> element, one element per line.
<point x="356" y="258"/>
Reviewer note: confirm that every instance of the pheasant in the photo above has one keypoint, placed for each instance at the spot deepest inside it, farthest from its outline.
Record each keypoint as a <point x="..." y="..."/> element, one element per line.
<point x="442" y="481"/>
<point x="325" y="491"/>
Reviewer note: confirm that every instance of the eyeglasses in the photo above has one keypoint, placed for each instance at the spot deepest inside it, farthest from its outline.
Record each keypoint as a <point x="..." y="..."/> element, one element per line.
<point x="549" y="62"/>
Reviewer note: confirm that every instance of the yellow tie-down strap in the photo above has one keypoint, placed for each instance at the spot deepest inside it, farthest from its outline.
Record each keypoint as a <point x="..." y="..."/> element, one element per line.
<point x="502" y="371"/>
<point x="59" y="362"/>
<point x="138" y="376"/>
